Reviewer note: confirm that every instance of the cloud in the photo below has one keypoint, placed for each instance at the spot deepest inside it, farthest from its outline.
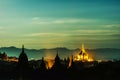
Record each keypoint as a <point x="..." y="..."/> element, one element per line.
<point x="37" y="20"/>
<point x="112" y="26"/>
<point x="109" y="26"/>
<point x="96" y="32"/>
<point x="74" y="33"/>
<point x="1" y="27"/>
<point x="46" y="34"/>
<point x="1" y="30"/>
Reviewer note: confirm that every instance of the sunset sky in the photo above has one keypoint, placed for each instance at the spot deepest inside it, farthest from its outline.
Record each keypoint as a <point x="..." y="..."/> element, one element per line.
<point x="60" y="23"/>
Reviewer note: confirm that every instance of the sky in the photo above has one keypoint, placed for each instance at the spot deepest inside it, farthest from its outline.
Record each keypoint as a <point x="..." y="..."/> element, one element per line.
<point x="60" y="23"/>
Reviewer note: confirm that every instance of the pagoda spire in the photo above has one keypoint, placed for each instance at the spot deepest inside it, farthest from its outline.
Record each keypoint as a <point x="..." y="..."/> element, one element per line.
<point x="83" y="48"/>
<point x="57" y="52"/>
<point x="23" y="49"/>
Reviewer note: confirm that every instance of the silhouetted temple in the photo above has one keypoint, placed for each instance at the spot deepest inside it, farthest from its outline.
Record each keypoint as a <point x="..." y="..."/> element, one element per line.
<point x="77" y="70"/>
<point x="23" y="59"/>
<point x="57" y="63"/>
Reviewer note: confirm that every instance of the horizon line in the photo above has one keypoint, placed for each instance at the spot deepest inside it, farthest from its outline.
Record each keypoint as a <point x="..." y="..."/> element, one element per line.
<point x="55" y="47"/>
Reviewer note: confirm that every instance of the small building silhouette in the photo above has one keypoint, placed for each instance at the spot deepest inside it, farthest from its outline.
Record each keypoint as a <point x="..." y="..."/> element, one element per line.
<point x="3" y="56"/>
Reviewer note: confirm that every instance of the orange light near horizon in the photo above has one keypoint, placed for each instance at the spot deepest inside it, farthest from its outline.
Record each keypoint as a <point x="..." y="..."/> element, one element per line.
<point x="90" y="60"/>
<point x="13" y="60"/>
<point x="49" y="63"/>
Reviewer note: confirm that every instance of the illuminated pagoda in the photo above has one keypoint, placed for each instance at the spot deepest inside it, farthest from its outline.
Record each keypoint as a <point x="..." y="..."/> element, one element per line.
<point x="83" y="55"/>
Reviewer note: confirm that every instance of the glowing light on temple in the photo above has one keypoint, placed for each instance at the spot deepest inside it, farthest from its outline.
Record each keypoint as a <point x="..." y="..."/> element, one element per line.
<point x="49" y="63"/>
<point x="83" y="55"/>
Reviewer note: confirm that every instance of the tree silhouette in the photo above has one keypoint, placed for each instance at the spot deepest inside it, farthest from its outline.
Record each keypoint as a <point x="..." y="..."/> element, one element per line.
<point x="41" y="73"/>
<point x="43" y="65"/>
<point x="5" y="57"/>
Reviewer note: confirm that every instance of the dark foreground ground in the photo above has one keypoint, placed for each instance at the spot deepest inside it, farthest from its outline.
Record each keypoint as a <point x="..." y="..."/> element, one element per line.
<point x="36" y="70"/>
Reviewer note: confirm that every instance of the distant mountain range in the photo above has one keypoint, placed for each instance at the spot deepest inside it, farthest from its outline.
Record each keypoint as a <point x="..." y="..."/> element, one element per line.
<point x="101" y="53"/>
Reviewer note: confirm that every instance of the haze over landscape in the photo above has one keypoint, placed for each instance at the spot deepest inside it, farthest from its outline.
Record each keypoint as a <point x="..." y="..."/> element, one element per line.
<point x="96" y="54"/>
<point x="59" y="39"/>
<point x="60" y="23"/>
